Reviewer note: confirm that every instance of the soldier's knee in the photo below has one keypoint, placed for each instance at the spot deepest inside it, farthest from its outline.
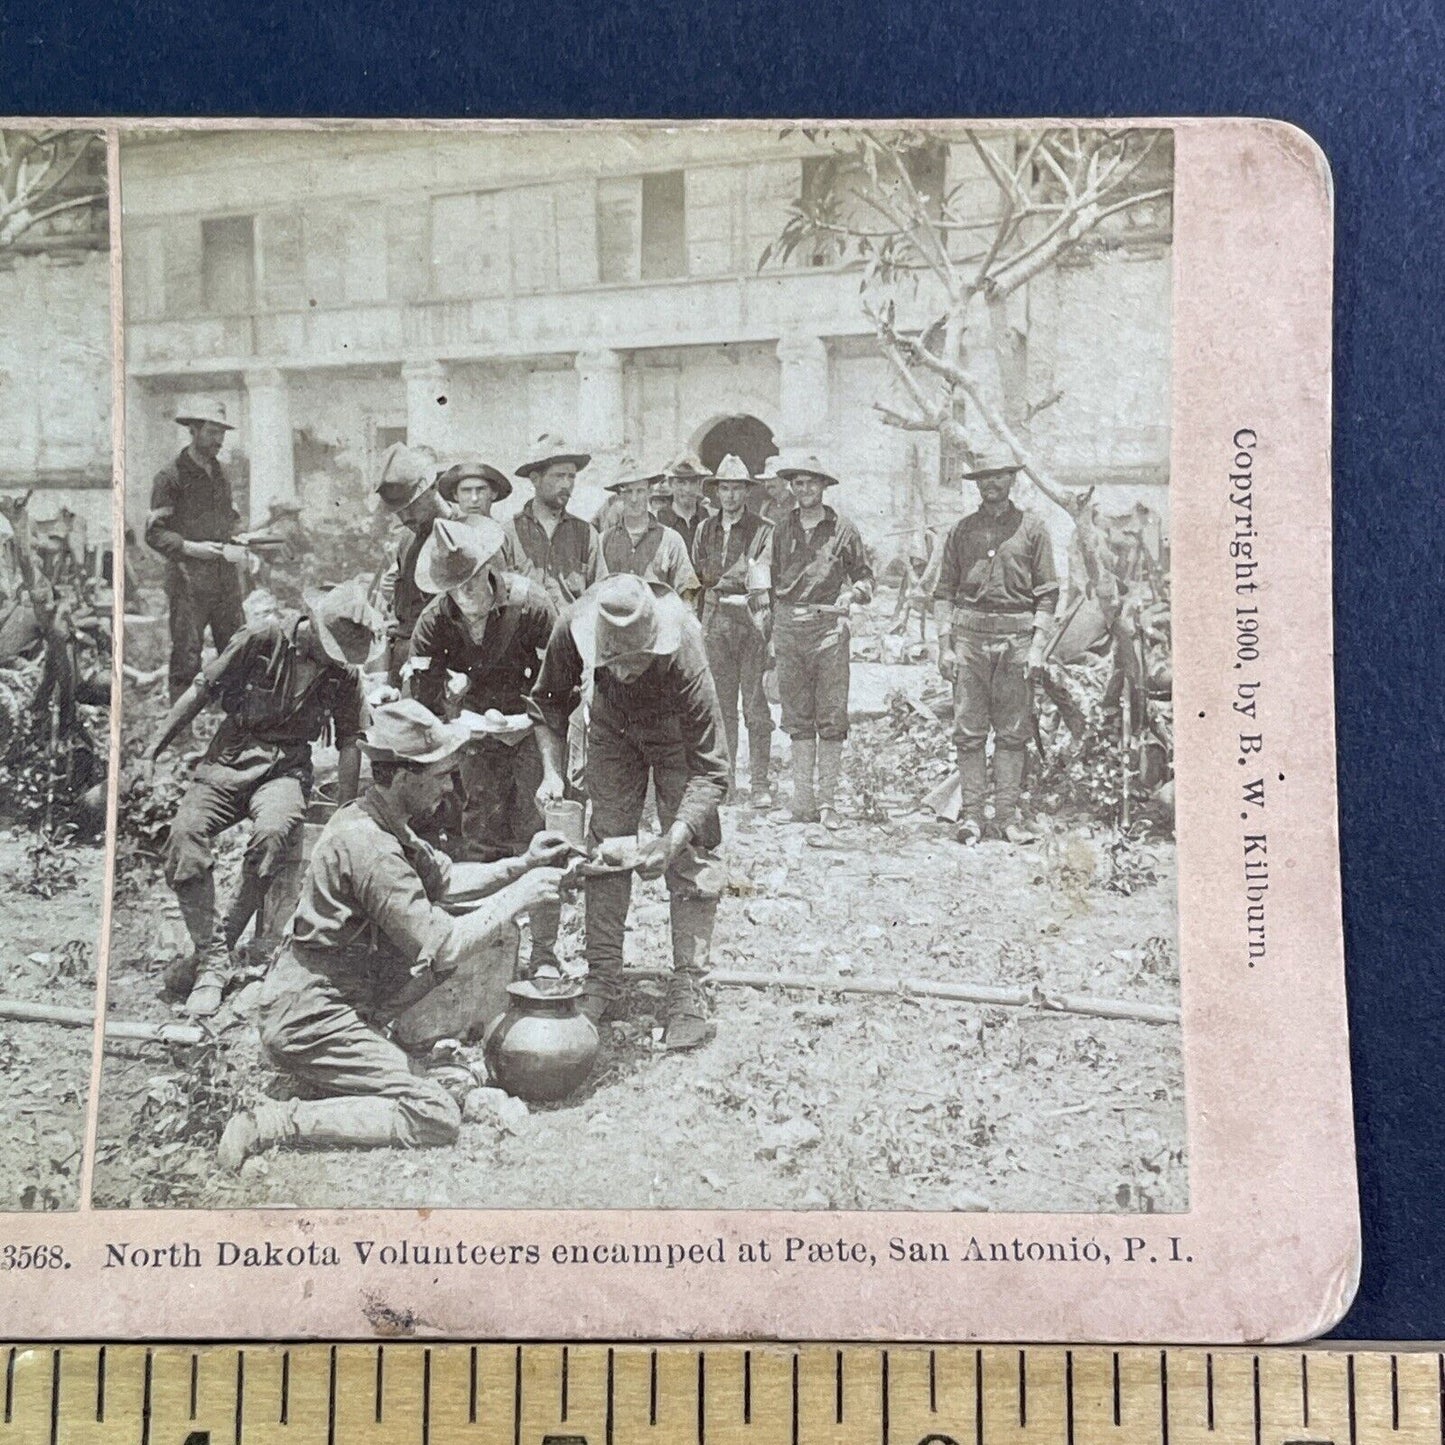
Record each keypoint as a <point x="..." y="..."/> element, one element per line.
<point x="187" y="854"/>
<point x="272" y="843"/>
<point x="430" y="1117"/>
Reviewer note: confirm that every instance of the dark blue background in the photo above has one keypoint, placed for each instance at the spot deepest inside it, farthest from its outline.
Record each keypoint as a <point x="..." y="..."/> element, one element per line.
<point x="1362" y="79"/>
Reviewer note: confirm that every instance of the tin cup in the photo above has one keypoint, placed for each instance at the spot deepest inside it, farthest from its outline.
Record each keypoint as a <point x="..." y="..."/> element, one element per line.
<point x="566" y="816"/>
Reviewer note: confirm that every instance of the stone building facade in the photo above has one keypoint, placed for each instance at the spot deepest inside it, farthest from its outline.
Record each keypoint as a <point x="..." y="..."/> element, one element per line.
<point x="55" y="359"/>
<point x="471" y="290"/>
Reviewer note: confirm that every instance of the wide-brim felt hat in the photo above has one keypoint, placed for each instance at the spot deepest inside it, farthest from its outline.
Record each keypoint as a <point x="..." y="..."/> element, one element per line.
<point x="549" y="448"/>
<point x="473" y="467"/>
<point x="404" y="474"/>
<point x="630" y="471"/>
<point x="195" y="411"/>
<point x="455" y="551"/>
<point x="732" y="469"/>
<point x="408" y="732"/>
<point x="993" y="462"/>
<point x="626" y="615"/>
<point x="807" y="465"/>
<point x="687" y="464"/>
<point x="350" y="630"/>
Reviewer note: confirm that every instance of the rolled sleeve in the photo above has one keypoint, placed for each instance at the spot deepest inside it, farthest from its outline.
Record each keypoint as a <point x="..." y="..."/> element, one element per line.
<point x="165" y="491"/>
<point x="393" y="896"/>
<point x="1046" y="581"/>
<point x="700" y="719"/>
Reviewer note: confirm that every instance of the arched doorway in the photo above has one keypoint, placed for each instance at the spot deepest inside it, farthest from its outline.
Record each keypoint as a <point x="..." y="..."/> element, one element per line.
<point x="741" y="436"/>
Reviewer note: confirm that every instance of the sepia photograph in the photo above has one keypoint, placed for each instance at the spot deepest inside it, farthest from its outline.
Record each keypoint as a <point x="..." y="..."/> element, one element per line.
<point x="56" y="601"/>
<point x="647" y="667"/>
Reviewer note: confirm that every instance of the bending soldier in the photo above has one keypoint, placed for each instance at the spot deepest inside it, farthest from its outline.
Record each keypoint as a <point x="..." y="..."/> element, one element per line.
<point x="191" y="523"/>
<point x="819" y="570"/>
<point x="283" y="683"/>
<point x="731" y="556"/>
<point x="369" y="940"/>
<point x="654" y="716"/>
<point x="997" y="591"/>
<point x="479" y="645"/>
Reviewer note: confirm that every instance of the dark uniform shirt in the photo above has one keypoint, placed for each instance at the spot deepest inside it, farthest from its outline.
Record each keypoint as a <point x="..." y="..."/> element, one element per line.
<point x="813" y="568"/>
<point x="999" y="564"/>
<point x="566" y="564"/>
<point x="189" y="503"/>
<point x="408" y="601"/>
<point x="502" y="666"/>
<point x="673" y="701"/>
<point x="687" y="528"/>
<point x="272" y="718"/>
<point x="720" y="555"/>
<point x="368" y="913"/>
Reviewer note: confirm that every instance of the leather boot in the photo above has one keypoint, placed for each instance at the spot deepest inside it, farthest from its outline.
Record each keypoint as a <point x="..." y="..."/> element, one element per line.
<point x="830" y="765"/>
<point x="805" y="757"/>
<point x="356" y="1122"/>
<point x="1008" y="775"/>
<point x="197" y="899"/>
<point x="972" y="788"/>
<point x="760" y="762"/>
<point x="687" y="1009"/>
<point x="250" y="894"/>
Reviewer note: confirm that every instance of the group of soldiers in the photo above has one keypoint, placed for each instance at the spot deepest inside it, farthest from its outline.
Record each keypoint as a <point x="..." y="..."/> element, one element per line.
<point x="530" y="663"/>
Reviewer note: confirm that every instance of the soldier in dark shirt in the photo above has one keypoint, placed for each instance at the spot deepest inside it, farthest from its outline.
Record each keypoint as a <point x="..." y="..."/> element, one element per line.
<point x="548" y="543"/>
<point x="407" y="487"/>
<point x="819" y="570"/>
<point x="654" y="716"/>
<point x="685" y="509"/>
<point x="997" y="591"/>
<point x="283" y="683"/>
<point x="371" y="940"/>
<point x="191" y="523"/>
<point x="731" y="558"/>
<point x="479" y="646"/>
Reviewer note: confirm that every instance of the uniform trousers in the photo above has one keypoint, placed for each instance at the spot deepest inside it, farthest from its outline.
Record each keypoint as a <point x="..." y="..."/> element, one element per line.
<point x="813" y="673"/>
<point x="201" y="594"/>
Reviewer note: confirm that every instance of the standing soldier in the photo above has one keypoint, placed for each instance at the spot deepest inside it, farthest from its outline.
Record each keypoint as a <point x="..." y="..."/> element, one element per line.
<point x="490" y="628"/>
<point x="731" y="556"/>
<point x="548" y="543"/>
<point x="819" y="570"/>
<point x="640" y="543"/>
<point x="473" y="487"/>
<point x="685" y="510"/>
<point x="406" y="486"/>
<point x="997" y="591"/>
<point x="370" y="939"/>
<point x="191" y="523"/>
<point x="654" y="718"/>
<point x="283" y="683"/>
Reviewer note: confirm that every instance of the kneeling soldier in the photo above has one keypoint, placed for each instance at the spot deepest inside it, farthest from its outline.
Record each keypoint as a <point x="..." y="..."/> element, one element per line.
<point x="997" y="591"/>
<point x="369" y="940"/>
<point x="654" y="716"/>
<point x="284" y="683"/>
<point x="491" y="627"/>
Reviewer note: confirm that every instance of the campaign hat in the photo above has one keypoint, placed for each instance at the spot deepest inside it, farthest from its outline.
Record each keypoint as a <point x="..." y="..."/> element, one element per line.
<point x="473" y="467"/>
<point x="455" y="551"/>
<point x="407" y="732"/>
<point x="348" y="627"/>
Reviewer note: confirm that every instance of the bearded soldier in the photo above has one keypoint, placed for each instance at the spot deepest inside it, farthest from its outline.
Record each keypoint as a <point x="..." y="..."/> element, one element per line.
<point x="548" y="543"/>
<point x="997" y="591"/>
<point x="731" y="558"/>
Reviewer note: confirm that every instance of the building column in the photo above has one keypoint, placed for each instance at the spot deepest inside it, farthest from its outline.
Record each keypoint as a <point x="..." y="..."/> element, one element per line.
<point x="601" y="418"/>
<point x="269" y="445"/>
<point x="802" y="391"/>
<point x="428" y="406"/>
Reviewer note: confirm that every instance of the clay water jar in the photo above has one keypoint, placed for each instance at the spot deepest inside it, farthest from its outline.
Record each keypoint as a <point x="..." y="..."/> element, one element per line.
<point x="542" y="1048"/>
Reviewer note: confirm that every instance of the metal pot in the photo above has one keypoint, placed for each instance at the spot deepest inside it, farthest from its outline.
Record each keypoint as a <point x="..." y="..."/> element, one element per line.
<point x="542" y="1048"/>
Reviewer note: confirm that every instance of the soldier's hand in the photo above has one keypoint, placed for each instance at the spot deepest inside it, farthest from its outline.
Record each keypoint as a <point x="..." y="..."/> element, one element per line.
<point x="457" y="683"/>
<point x="947" y="664"/>
<point x="547" y="849"/>
<point x="653" y="856"/>
<point x="1036" y="667"/>
<point x="550" y="791"/>
<point x="235" y="554"/>
<point x="538" y="888"/>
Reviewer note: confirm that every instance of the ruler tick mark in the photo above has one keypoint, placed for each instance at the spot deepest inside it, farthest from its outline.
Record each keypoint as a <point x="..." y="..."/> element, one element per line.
<point x="145" y="1402"/>
<point x="517" y="1394"/>
<point x="331" y="1400"/>
<point x="885" y="1397"/>
<point x="795" y="1400"/>
<point x="1164" y="1397"/>
<point x="564" y="1381"/>
<point x="1116" y="1389"/>
<point x="380" y="1365"/>
<point x="978" y="1397"/>
<point x="610" y="1392"/>
<point x="1023" y="1393"/>
<point x="1350" y="1392"/>
<point x="100" y="1386"/>
<point x="195" y="1383"/>
<point x="1304" y="1389"/>
<point x="240" y="1391"/>
<point x="1069" y="1396"/>
<point x="10" y="1384"/>
<point x="1209" y="1389"/>
<point x="1439" y="1370"/>
<point x="285" y="1386"/>
<point x="747" y="1387"/>
<point x="1394" y="1393"/>
<point x="426" y="1397"/>
<point x="472" y="1389"/>
<point x="1258" y="1423"/>
<point x="838" y="1387"/>
<point x="933" y="1382"/>
<point x="701" y="1397"/>
<point x="651" y="1387"/>
<point x="55" y="1394"/>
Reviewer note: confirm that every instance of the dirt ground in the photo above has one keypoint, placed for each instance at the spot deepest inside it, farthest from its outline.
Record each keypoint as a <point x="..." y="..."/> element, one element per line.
<point x="806" y="1099"/>
<point x="49" y="952"/>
